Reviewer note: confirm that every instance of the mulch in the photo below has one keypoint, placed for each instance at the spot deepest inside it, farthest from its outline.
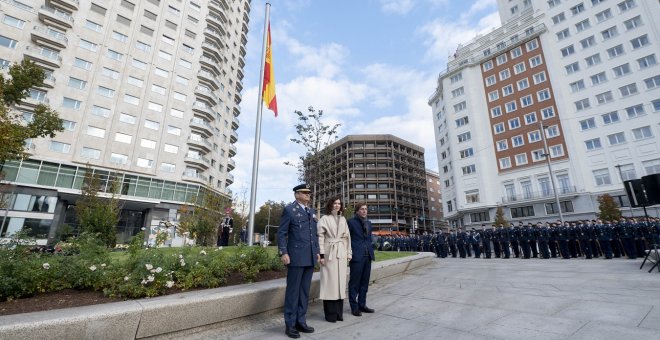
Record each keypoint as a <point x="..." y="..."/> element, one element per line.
<point x="75" y="298"/>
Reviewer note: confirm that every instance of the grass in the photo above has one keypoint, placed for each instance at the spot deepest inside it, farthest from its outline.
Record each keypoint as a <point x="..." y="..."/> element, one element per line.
<point x="388" y="255"/>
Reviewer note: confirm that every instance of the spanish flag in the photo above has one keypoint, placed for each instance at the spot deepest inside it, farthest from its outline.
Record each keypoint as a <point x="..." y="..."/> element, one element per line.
<point x="269" y="78"/>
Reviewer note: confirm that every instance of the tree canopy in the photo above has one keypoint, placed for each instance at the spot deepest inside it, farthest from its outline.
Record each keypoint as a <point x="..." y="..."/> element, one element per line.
<point x="14" y="131"/>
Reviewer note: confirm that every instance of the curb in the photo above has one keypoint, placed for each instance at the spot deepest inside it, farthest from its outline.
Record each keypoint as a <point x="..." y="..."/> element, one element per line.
<point x="144" y="318"/>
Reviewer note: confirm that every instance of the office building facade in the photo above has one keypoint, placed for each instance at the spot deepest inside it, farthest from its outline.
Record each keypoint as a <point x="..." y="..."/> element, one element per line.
<point x="149" y="92"/>
<point x="581" y="77"/>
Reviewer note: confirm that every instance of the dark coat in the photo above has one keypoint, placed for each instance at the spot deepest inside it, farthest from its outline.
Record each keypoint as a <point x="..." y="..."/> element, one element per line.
<point x="297" y="235"/>
<point x="360" y="241"/>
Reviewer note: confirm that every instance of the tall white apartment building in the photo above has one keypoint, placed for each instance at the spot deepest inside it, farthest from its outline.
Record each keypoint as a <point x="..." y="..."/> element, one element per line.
<point x="586" y="74"/>
<point x="149" y="91"/>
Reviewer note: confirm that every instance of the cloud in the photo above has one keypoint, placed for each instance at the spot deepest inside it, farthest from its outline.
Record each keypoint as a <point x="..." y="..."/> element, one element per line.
<point x="402" y="7"/>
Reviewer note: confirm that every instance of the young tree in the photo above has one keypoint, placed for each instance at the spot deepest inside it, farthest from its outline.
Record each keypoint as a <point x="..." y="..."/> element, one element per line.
<point x="13" y="130"/>
<point x="499" y="217"/>
<point x="314" y="136"/>
<point x="96" y="214"/>
<point x="609" y="211"/>
<point x="202" y="219"/>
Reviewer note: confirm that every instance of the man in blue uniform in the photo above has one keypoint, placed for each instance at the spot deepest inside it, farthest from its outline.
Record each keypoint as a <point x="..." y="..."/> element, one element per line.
<point x="363" y="253"/>
<point x="298" y="246"/>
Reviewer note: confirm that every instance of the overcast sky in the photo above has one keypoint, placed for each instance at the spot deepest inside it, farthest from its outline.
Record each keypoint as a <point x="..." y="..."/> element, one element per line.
<point x="370" y="65"/>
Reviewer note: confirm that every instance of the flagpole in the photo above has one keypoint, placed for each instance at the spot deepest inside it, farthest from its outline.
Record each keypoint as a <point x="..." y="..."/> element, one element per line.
<point x="257" y="133"/>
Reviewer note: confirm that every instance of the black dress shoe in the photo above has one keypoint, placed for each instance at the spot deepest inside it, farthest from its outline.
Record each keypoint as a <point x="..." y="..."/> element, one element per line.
<point x="340" y="318"/>
<point x="330" y="320"/>
<point x="356" y="313"/>
<point x="366" y="309"/>
<point x="304" y="328"/>
<point x="292" y="333"/>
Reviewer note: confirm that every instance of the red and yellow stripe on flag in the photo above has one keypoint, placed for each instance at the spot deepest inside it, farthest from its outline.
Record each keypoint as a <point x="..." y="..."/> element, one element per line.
<point x="269" y="78"/>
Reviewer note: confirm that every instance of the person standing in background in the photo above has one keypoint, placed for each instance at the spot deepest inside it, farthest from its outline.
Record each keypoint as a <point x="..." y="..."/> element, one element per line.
<point x="363" y="253"/>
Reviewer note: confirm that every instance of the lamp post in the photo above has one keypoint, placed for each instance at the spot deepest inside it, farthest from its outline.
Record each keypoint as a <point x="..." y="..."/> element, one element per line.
<point x="546" y="154"/>
<point x="269" y="208"/>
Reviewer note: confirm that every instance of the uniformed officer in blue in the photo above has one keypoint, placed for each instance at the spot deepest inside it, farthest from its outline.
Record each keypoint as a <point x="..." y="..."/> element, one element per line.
<point x="298" y="246"/>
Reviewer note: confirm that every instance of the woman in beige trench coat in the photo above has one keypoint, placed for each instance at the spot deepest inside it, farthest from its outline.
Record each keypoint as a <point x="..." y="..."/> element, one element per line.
<point x="335" y="244"/>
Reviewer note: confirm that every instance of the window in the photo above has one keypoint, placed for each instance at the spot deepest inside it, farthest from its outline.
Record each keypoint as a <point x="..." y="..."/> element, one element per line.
<point x="526" y="101"/>
<point x="604" y="97"/>
<point x="114" y="55"/>
<point x="462" y="121"/>
<point x="615" y="51"/>
<point x="514" y="123"/>
<point x="563" y="34"/>
<point x="530" y="118"/>
<point x="100" y="111"/>
<point x="169" y="148"/>
<point x="534" y="136"/>
<point x="587" y="124"/>
<point x="548" y="112"/>
<point x="164" y="55"/>
<point x="510" y="106"/>
<point x="90" y="153"/>
<point x="161" y="73"/>
<point x="150" y="124"/>
<point x="626" y="5"/>
<point x="593" y="144"/>
<point x="577" y="86"/>
<point x="602" y="177"/>
<point x="543" y="95"/>
<point x="538" y="155"/>
<point x="131" y="99"/>
<point x="144" y="163"/>
<point x="523" y="84"/>
<point x="556" y="151"/>
<point x="458" y="92"/>
<point x="652" y="166"/>
<point x="480" y="216"/>
<point x="487" y="66"/>
<point x="88" y="45"/>
<point x="493" y="95"/>
<point x="158" y="89"/>
<point x="552" y="131"/>
<point x="582" y="25"/>
<point x="455" y="78"/>
<point x="490" y="80"/>
<point x="460" y="107"/>
<point x="643" y="132"/>
<point x="633" y="23"/>
<point x="59" y="147"/>
<point x="532" y="45"/>
<point x="501" y="59"/>
<point x="464" y="137"/>
<point x="553" y="3"/>
<point x="93" y="26"/>
<point x="640" y="41"/>
<point x="126" y="118"/>
<point x="181" y="80"/>
<point x="610" y="117"/>
<point x="496" y="111"/>
<point x="647" y="61"/>
<point x="173" y="130"/>
<point x="68" y="125"/>
<point x="147" y="143"/>
<point x="588" y="42"/>
<point x="498" y="128"/>
<point x="521" y="159"/>
<point x="522" y="211"/>
<point x="604" y="15"/>
<point x="469" y="152"/>
<point x="616" y="138"/>
<point x="577" y="9"/>
<point x="179" y="96"/>
<point x="117" y="158"/>
<point x="652" y="82"/>
<point x="539" y="78"/>
<point x="609" y="33"/>
<point x="110" y="73"/>
<point x="558" y="18"/>
<point x="656" y="105"/>
<point x="505" y="74"/>
<point x="593" y="60"/>
<point x="106" y="92"/>
<point x="517" y="141"/>
<point x="139" y="64"/>
<point x="70" y="103"/>
<point x="519" y="68"/>
<point x="502" y="145"/>
<point x="142" y="46"/>
<point x="96" y="132"/>
<point x="507" y="90"/>
<point x="176" y="113"/>
<point x="76" y="83"/>
<point x="155" y="107"/>
<point x="14" y="22"/>
<point x="572" y="68"/>
<point x="582" y="104"/>
<point x="119" y="37"/>
<point x="82" y="63"/>
<point x="167" y="40"/>
<point x="505" y="163"/>
<point x="134" y="81"/>
<point x="568" y="50"/>
<point x="470" y="169"/>
<point x="628" y="90"/>
<point x="621" y="70"/>
<point x="598" y="78"/>
<point x="551" y="208"/>
<point x="123" y="138"/>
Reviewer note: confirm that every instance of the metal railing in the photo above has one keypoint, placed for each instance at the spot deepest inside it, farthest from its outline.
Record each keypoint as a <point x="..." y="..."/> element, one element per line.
<point x="533" y="195"/>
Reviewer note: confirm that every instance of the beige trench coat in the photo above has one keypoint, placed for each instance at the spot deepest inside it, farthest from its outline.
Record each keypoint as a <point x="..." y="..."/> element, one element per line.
<point x="335" y="243"/>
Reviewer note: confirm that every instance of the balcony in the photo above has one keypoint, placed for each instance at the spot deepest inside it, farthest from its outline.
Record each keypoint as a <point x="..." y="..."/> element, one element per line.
<point x="207" y="94"/>
<point x="43" y="55"/>
<point x="68" y="4"/>
<point x="215" y="21"/>
<point x="231" y="164"/>
<point x="239" y="86"/>
<point x="199" y="161"/>
<point x="238" y="98"/>
<point x="233" y="138"/>
<point x="232" y="150"/>
<point x="230" y="179"/>
<point x="240" y="74"/>
<point x="200" y="143"/>
<point x="49" y="80"/>
<point x="55" y="17"/>
<point x="204" y="110"/>
<point x="208" y="78"/>
<point x="202" y="125"/>
<point x="195" y="177"/>
<point x="210" y="63"/>
<point x="215" y="35"/>
<point x="539" y="195"/>
<point x="235" y="123"/>
<point x="237" y="110"/>
<point x="46" y="35"/>
<point x="35" y="97"/>
<point x="212" y="49"/>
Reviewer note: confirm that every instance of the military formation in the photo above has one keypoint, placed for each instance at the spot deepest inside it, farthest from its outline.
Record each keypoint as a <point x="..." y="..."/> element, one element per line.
<point x="627" y="237"/>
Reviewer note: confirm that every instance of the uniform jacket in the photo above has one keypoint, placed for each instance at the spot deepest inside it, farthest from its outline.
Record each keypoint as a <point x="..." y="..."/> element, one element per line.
<point x="360" y="241"/>
<point x="297" y="235"/>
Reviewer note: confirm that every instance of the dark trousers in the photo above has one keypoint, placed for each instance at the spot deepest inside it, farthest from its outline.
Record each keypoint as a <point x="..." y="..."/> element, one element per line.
<point x="225" y="236"/>
<point x="477" y="250"/>
<point x="487" y="248"/>
<point x="607" y="250"/>
<point x="461" y="250"/>
<point x="505" y="249"/>
<point x="616" y="247"/>
<point x="468" y="249"/>
<point x="452" y="248"/>
<point x="358" y="283"/>
<point x="535" y="251"/>
<point x="296" y="296"/>
<point x="333" y="310"/>
<point x="496" y="248"/>
<point x="572" y="247"/>
<point x="553" y="248"/>
<point x="629" y="247"/>
<point x="585" y="245"/>
<point x="516" y="248"/>
<point x="524" y="244"/>
<point x="563" y="249"/>
<point x="640" y="245"/>
<point x="543" y="248"/>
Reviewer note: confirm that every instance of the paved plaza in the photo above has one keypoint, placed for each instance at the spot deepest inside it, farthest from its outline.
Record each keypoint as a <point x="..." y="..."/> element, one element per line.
<point x="488" y="299"/>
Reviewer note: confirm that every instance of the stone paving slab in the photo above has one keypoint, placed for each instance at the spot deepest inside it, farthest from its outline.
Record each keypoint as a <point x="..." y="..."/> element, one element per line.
<point x="470" y="298"/>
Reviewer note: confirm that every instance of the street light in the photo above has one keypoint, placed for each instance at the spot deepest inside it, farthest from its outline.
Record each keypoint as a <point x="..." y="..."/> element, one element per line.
<point x="269" y="208"/>
<point x="546" y="154"/>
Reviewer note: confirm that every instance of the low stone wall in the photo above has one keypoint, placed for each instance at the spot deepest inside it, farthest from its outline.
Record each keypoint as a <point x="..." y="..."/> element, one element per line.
<point x="172" y="313"/>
